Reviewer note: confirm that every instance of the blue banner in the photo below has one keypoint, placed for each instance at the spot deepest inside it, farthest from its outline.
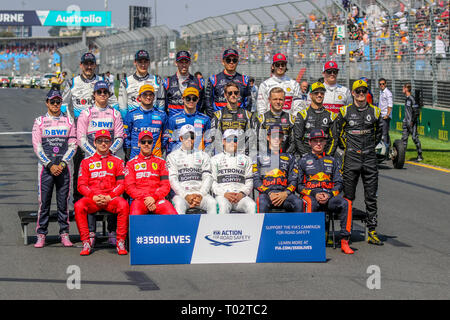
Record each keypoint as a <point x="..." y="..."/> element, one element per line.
<point x="186" y="239"/>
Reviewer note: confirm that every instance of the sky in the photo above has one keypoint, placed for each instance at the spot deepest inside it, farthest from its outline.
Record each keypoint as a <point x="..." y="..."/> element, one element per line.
<point x="173" y="13"/>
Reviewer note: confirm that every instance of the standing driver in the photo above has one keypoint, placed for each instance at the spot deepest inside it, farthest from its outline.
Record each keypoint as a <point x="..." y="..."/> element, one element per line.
<point x="359" y="130"/>
<point x="101" y="182"/>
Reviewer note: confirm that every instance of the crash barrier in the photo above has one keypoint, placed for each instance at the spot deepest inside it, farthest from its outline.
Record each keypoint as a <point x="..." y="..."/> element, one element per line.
<point x="192" y="239"/>
<point x="433" y="123"/>
<point x="27" y="217"/>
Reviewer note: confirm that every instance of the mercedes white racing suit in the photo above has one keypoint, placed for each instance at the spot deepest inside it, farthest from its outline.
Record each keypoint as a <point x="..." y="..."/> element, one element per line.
<point x="129" y="90"/>
<point x="190" y="173"/>
<point x="233" y="173"/>
<point x="293" y="95"/>
<point x="336" y="97"/>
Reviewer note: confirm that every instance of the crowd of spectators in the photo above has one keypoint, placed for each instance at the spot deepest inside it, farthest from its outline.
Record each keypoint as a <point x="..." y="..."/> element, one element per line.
<point x="316" y="38"/>
<point x="28" y="59"/>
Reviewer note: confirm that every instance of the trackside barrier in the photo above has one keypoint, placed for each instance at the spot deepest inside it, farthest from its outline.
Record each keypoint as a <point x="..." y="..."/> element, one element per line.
<point x="195" y="238"/>
<point x="433" y="123"/>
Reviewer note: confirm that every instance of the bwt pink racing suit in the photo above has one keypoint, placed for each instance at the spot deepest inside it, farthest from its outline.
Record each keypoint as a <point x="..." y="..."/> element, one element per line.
<point x="54" y="141"/>
<point x="94" y="119"/>
<point x="336" y="97"/>
<point x="293" y="95"/>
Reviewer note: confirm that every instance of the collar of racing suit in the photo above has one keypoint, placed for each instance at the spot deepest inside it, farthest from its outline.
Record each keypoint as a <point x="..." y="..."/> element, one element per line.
<point x="86" y="80"/>
<point x="284" y="77"/>
<point x="138" y="78"/>
<point x="318" y="156"/>
<point x="146" y="110"/>
<point x="53" y="117"/>
<point x="98" y="156"/>
<point x="229" y="76"/>
<point x="330" y="87"/>
<point x="142" y="157"/>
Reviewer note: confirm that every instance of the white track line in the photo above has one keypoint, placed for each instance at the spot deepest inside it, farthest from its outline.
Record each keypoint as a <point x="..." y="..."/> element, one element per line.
<point x="11" y="133"/>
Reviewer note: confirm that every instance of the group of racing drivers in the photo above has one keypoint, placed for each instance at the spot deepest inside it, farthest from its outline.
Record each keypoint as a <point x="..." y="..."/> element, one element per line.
<point x="191" y="147"/>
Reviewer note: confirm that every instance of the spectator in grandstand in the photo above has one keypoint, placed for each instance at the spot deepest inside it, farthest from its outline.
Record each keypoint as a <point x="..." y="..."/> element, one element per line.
<point x="314" y="117"/>
<point x="54" y="152"/>
<point x="232" y="117"/>
<point x="336" y="96"/>
<point x="100" y="115"/>
<point x="189" y="115"/>
<point x="129" y="87"/>
<point x="190" y="174"/>
<point x="293" y="102"/>
<point x="385" y="104"/>
<point x="232" y="177"/>
<point x="320" y="183"/>
<point x="275" y="176"/>
<point x="359" y="131"/>
<point x="276" y="116"/>
<point x="101" y="183"/>
<point x="145" y="118"/>
<point x="147" y="180"/>
<point x="175" y="85"/>
<point x="77" y="97"/>
<point x="411" y="121"/>
<point x="214" y="93"/>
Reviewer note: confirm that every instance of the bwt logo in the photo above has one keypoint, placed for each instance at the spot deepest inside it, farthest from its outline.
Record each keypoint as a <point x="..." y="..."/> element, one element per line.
<point x="55" y="132"/>
<point x="102" y="124"/>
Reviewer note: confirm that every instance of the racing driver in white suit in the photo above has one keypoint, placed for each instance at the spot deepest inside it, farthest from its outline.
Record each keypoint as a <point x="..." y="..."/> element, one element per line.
<point x="293" y="95"/>
<point x="232" y="177"/>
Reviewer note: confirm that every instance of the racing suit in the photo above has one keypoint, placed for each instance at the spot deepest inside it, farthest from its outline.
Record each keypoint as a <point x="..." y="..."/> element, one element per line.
<point x="54" y="141"/>
<point x="174" y="87"/>
<point x="238" y="119"/>
<point x="321" y="174"/>
<point x="293" y="102"/>
<point x="94" y="119"/>
<point x="101" y="175"/>
<point x="233" y="173"/>
<point x="310" y="119"/>
<point x="276" y="172"/>
<point x="139" y="120"/>
<point x="89" y="122"/>
<point x="147" y="176"/>
<point x="261" y="124"/>
<point x="201" y="124"/>
<point x="77" y="97"/>
<point x="359" y="131"/>
<point x="129" y="89"/>
<point x="410" y="122"/>
<point x="336" y="97"/>
<point x="215" y="96"/>
<point x="190" y="173"/>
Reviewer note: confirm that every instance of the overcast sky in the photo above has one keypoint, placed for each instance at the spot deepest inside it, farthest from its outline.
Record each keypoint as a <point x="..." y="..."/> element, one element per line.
<point x="173" y="13"/>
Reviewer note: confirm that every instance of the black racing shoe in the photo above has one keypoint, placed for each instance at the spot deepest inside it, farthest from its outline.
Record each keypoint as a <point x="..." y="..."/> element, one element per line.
<point x="419" y="158"/>
<point x="373" y="238"/>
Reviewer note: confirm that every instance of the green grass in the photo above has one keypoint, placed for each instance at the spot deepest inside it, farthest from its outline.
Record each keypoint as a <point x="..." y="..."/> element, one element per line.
<point x="435" y="152"/>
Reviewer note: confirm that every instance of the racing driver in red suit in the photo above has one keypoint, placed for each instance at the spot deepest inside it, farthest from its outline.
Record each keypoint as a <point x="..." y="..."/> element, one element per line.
<point x="101" y="182"/>
<point x="147" y="180"/>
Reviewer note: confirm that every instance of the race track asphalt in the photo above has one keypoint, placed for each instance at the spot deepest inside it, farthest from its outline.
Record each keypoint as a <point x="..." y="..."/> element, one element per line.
<point x="413" y="220"/>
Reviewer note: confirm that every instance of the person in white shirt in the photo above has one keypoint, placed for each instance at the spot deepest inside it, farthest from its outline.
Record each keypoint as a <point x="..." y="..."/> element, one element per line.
<point x="190" y="175"/>
<point x="232" y="174"/>
<point x="293" y="102"/>
<point x="385" y="104"/>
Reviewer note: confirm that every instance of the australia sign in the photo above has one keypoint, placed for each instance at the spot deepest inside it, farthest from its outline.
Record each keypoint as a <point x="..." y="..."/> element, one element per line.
<point x="55" y="18"/>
